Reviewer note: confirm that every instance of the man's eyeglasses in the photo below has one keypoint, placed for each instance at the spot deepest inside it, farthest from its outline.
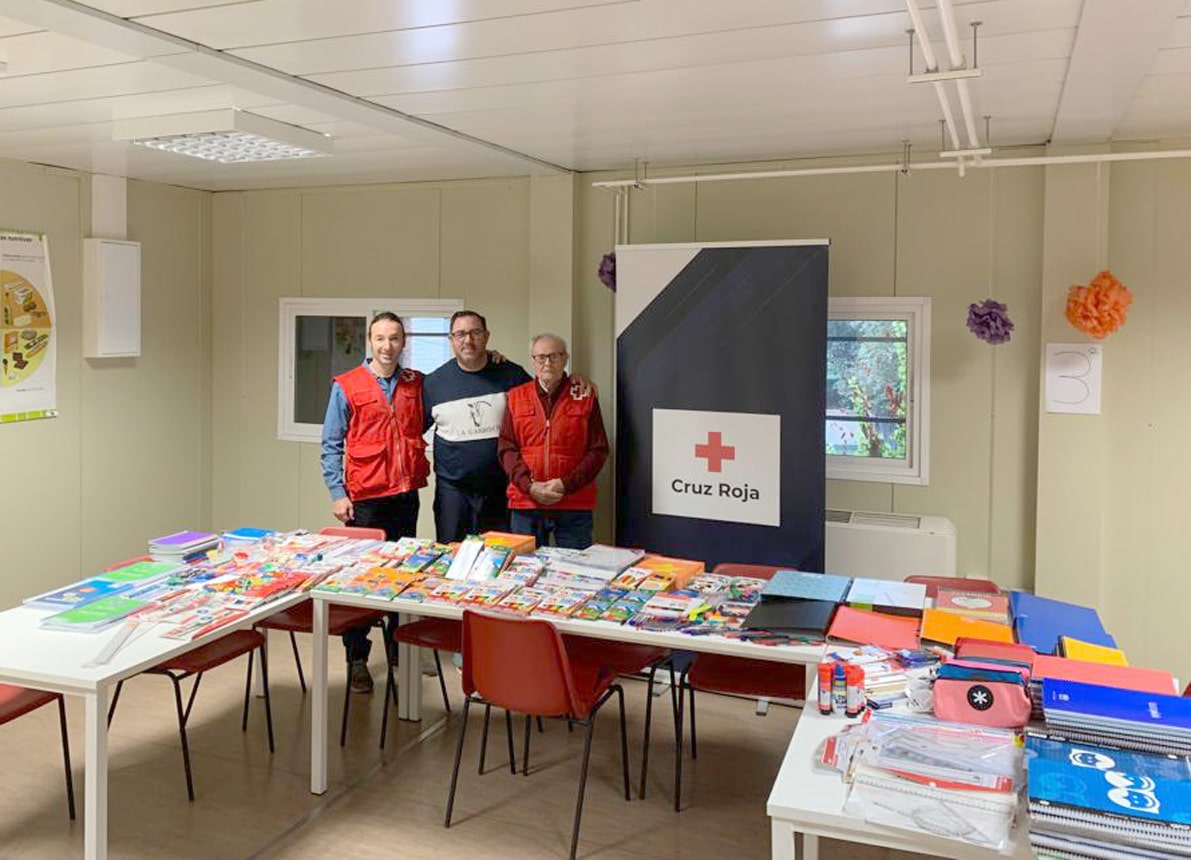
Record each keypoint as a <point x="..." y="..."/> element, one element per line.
<point x="550" y="357"/>
<point x="473" y="333"/>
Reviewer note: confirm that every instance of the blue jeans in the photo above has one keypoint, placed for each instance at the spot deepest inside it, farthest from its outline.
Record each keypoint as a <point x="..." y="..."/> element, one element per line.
<point x="571" y="529"/>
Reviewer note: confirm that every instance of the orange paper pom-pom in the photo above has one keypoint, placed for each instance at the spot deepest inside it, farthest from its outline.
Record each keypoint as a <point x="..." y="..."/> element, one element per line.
<point x="1099" y="308"/>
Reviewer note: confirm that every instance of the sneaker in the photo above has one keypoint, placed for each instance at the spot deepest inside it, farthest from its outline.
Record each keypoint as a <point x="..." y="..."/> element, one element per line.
<point x="359" y="677"/>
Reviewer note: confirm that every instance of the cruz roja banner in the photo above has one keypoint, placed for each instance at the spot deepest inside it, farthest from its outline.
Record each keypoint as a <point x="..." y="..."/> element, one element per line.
<point x="721" y="389"/>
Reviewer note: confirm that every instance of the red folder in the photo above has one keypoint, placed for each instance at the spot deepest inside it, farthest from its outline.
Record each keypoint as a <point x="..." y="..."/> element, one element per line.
<point x="874" y="628"/>
<point x="968" y="648"/>
<point x="1123" y="677"/>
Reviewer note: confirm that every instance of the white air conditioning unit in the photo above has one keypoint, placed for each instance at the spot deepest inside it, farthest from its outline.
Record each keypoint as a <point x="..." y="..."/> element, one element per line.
<point x="889" y="546"/>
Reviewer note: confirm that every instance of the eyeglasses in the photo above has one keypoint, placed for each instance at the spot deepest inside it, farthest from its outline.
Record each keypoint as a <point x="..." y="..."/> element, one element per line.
<point x="473" y="333"/>
<point x="550" y="357"/>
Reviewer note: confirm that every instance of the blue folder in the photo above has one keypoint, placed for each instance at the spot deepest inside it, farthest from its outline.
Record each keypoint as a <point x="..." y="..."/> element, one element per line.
<point x="1040" y="622"/>
<point x="804" y="585"/>
<point x="1093" y="700"/>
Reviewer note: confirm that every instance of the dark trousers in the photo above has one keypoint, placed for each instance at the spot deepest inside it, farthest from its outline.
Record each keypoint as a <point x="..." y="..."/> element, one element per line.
<point x="570" y="529"/>
<point x="398" y="516"/>
<point x="459" y="512"/>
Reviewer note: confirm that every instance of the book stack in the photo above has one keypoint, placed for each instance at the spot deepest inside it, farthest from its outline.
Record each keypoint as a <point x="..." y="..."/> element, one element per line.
<point x="1136" y="678"/>
<point x="94" y="615"/>
<point x="798" y="603"/>
<point x="589" y="569"/>
<point x="981" y="605"/>
<point x="1087" y="801"/>
<point x="182" y="546"/>
<point x="1041" y="622"/>
<point x="894" y="598"/>
<point x="1119" y="718"/>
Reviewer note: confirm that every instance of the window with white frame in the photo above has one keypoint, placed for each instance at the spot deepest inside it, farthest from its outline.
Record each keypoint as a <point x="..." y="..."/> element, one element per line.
<point x="878" y="389"/>
<point x="322" y="338"/>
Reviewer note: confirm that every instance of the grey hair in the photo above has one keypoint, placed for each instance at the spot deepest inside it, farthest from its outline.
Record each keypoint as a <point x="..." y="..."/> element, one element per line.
<point x="534" y="340"/>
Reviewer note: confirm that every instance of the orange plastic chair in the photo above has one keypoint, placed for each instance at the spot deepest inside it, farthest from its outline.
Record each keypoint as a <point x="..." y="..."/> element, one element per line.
<point x="199" y="661"/>
<point x="524" y="666"/>
<point x="17" y="701"/>
<point x="299" y="618"/>
<point x="934" y="583"/>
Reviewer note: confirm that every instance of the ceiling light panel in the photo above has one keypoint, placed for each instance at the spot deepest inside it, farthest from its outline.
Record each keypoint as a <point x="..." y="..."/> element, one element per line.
<point x="225" y="136"/>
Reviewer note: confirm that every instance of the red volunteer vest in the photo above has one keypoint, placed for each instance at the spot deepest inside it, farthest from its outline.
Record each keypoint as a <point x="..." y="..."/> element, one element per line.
<point x="551" y="446"/>
<point x="384" y="452"/>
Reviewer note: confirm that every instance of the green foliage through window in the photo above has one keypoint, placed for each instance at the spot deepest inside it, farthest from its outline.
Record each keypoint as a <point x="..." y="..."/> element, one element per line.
<point x="867" y="380"/>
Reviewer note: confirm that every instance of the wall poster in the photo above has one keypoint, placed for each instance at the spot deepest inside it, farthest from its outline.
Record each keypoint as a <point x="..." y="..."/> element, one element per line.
<point x="28" y="346"/>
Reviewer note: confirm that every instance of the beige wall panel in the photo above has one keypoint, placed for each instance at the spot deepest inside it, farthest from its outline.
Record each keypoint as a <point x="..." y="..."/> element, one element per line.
<point x="41" y="505"/>
<point x="270" y="470"/>
<point x="943" y="251"/>
<point x="144" y="455"/>
<point x="1016" y="277"/>
<point x="552" y="245"/>
<point x="361" y="242"/>
<point x="227" y="356"/>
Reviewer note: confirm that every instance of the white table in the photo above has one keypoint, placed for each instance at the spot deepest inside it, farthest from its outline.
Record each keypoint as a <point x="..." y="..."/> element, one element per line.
<point x="409" y="670"/>
<point x="53" y="660"/>
<point x="810" y="801"/>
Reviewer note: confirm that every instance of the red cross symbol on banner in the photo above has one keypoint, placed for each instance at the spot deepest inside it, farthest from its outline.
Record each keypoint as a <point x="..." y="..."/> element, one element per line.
<point x="715" y="452"/>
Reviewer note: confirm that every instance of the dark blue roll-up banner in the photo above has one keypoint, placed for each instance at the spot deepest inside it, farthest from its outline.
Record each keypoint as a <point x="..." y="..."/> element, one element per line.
<point x="721" y="376"/>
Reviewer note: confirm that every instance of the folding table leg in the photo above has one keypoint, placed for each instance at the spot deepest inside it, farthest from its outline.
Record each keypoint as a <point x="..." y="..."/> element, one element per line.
<point x="318" y="702"/>
<point x="95" y="779"/>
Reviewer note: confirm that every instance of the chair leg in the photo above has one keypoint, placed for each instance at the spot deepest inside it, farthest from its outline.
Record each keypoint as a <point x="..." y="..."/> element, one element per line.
<point x="66" y="756"/>
<point x="442" y="683"/>
<point x="458" y="758"/>
<point x="193" y="692"/>
<point x="678" y="716"/>
<point x="582" y="784"/>
<point x="525" y="751"/>
<point x="694" y="744"/>
<point x="182" y="714"/>
<point x="347" y="703"/>
<point x="484" y="737"/>
<point x="247" y="694"/>
<point x="265" y="684"/>
<point x="509" y="734"/>
<point x="293" y="643"/>
<point x="115" y="699"/>
<point x="653" y="670"/>
<point x="390" y="690"/>
<point x="624" y="742"/>
<point x="541" y="726"/>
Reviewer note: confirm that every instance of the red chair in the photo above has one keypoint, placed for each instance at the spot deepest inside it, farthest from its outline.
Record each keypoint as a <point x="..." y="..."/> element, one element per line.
<point x="523" y="665"/>
<point x="18" y="701"/>
<point x="299" y="618"/>
<point x="934" y="583"/>
<point x="195" y="664"/>
<point x="437" y="634"/>
<point x="716" y="673"/>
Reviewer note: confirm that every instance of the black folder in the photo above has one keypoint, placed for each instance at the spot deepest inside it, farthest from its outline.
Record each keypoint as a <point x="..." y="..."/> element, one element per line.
<point x="792" y="616"/>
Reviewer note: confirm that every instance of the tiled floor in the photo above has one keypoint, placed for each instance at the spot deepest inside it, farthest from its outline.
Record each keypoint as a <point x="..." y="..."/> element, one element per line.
<point x="250" y="803"/>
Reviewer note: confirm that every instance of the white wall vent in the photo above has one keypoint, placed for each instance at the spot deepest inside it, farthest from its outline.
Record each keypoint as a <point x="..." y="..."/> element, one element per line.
<point x="889" y="546"/>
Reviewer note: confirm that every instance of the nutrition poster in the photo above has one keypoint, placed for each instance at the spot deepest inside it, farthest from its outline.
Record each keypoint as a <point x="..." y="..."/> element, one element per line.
<point x="27" y="342"/>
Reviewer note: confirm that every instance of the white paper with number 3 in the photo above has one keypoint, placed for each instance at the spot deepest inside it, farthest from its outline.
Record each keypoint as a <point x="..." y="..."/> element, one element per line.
<point x="1073" y="377"/>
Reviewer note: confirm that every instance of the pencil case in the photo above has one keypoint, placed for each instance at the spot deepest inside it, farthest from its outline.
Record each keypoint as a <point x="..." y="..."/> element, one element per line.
<point x="984" y="695"/>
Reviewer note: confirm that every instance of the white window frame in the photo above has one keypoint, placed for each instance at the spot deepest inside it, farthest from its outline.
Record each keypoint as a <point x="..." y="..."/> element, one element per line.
<point x="915" y="469"/>
<point x="291" y="308"/>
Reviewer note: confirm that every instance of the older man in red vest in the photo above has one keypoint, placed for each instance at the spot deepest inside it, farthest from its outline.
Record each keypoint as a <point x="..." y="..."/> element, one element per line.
<point x="552" y="445"/>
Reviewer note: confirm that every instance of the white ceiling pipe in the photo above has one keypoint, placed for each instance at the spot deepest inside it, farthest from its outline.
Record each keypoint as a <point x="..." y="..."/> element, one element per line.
<point x="1029" y="161"/>
<point x="932" y="65"/>
<point x="956" y="55"/>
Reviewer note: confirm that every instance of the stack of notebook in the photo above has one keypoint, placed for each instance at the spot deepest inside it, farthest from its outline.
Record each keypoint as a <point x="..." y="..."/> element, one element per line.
<point x="1119" y="718"/>
<point x="1142" y="680"/>
<point x="1094" y="802"/>
<point x="798" y="603"/>
<point x="182" y="546"/>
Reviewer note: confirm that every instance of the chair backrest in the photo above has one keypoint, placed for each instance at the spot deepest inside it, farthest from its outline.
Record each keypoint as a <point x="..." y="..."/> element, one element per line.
<point x="757" y="571"/>
<point x="960" y="583"/>
<point x="127" y="562"/>
<point x="358" y="532"/>
<point x="519" y="664"/>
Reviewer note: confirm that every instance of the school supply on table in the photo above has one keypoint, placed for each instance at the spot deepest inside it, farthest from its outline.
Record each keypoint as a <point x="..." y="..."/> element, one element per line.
<point x="662" y="573"/>
<point x="140" y="572"/>
<point x="966" y="647"/>
<point x="182" y="545"/>
<point x="113" y="645"/>
<point x="517" y="544"/>
<point x="95" y="615"/>
<point x="1112" y="803"/>
<point x="803" y="585"/>
<point x="874" y="628"/>
<point x="798" y="617"/>
<point x="1041" y="621"/>
<point x="468" y="552"/>
<point x="984" y="605"/>
<point x="983" y="693"/>
<point x="1077" y="649"/>
<point x="947" y="628"/>
<point x="896" y="598"/>
<point x="245" y="536"/>
<point x="1120" y="718"/>
<point x="77" y="594"/>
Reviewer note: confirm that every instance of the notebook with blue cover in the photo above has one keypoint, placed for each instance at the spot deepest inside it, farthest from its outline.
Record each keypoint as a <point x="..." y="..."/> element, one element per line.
<point x="78" y="594"/>
<point x="1041" y="621"/>
<point x="804" y="585"/>
<point x="1109" y="784"/>
<point x="1148" y="710"/>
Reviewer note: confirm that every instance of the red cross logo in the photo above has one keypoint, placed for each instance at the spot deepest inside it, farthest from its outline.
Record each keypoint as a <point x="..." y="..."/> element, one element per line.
<point x="715" y="452"/>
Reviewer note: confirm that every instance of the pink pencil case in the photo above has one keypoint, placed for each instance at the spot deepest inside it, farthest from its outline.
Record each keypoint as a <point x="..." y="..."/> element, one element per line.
<point x="985" y="694"/>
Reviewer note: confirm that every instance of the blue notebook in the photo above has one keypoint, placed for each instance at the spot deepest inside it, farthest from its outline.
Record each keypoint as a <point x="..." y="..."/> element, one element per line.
<point x="803" y="585"/>
<point x="1110" y="703"/>
<point x="1113" y="783"/>
<point x="1040" y="622"/>
<point x="78" y="594"/>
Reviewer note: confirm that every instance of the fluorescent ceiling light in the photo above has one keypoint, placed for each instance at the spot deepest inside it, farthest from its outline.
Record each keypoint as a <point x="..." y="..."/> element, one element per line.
<point x="226" y="136"/>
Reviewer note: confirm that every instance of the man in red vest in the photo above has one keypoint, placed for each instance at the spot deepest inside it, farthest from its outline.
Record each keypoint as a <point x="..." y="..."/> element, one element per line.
<point x="373" y="454"/>
<point x="552" y="445"/>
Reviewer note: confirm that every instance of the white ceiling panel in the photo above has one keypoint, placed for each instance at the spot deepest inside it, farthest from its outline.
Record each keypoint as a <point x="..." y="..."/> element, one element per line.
<point x="13" y="27"/>
<point x="133" y="8"/>
<point x="40" y="52"/>
<point x="93" y="83"/>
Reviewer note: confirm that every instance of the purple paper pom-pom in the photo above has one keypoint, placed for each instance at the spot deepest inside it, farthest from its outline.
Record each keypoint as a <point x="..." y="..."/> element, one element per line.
<point x="607" y="271"/>
<point x="989" y="321"/>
